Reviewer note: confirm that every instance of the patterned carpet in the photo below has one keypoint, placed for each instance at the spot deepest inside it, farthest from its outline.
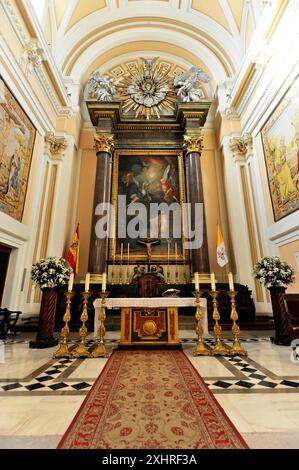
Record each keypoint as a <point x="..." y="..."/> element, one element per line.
<point x="150" y="400"/>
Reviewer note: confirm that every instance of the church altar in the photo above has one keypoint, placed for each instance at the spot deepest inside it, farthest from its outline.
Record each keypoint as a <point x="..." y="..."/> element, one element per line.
<point x="151" y="320"/>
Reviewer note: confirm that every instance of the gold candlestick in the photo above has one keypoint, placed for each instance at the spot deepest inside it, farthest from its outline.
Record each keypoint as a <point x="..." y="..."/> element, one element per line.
<point x="63" y="350"/>
<point x="100" y="350"/>
<point x="236" y="349"/>
<point x="81" y="350"/>
<point x="200" y="350"/>
<point x="219" y="348"/>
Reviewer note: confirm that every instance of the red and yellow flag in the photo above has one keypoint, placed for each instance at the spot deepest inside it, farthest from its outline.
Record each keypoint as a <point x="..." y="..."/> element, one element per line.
<point x="73" y="253"/>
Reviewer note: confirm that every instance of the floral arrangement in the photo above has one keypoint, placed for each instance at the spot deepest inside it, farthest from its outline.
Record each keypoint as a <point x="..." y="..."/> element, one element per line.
<point x="51" y="272"/>
<point x="272" y="272"/>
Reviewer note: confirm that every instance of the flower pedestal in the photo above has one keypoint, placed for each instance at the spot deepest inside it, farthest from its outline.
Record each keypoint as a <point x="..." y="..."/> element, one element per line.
<point x="282" y="323"/>
<point x="44" y="337"/>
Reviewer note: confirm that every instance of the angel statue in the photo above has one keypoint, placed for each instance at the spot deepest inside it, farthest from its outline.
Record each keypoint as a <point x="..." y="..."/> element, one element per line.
<point x="101" y="87"/>
<point x="188" y="84"/>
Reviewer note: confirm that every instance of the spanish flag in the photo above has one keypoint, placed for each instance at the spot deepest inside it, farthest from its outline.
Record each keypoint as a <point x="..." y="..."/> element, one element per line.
<point x="222" y="258"/>
<point x="73" y="253"/>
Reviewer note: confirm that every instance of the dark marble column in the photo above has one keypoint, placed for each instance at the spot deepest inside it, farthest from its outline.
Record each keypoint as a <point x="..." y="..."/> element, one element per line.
<point x="98" y="250"/>
<point x="193" y="146"/>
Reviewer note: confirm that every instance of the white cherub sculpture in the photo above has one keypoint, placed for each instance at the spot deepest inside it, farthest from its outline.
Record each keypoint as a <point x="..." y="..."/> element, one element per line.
<point x="188" y="84"/>
<point x="101" y="87"/>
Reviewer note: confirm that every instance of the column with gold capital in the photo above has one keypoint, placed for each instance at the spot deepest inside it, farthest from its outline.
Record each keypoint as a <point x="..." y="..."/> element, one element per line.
<point x="193" y="145"/>
<point x="104" y="146"/>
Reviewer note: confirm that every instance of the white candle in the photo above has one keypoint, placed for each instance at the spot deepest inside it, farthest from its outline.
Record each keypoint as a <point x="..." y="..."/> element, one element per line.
<point x="87" y="281"/>
<point x="128" y="253"/>
<point x="213" y="281"/>
<point x="231" y="282"/>
<point x="168" y="252"/>
<point x="196" y="281"/>
<point x="121" y="252"/>
<point x="71" y="282"/>
<point x="104" y="282"/>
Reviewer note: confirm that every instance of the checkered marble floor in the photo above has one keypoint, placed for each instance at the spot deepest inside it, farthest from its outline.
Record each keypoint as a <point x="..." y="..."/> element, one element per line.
<point x="245" y="375"/>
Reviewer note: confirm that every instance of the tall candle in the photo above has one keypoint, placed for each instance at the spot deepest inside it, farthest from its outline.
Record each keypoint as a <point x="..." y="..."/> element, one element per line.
<point x="128" y="253"/>
<point x="71" y="282"/>
<point x="213" y="281"/>
<point x="231" y="282"/>
<point x="121" y="252"/>
<point x="196" y="281"/>
<point x="87" y="281"/>
<point x="176" y="252"/>
<point x="168" y="252"/>
<point x="104" y="282"/>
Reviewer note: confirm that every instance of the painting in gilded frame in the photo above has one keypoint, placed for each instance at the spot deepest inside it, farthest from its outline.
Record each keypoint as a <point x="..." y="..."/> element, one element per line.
<point x="148" y="177"/>
<point x="280" y="137"/>
<point x="17" y="135"/>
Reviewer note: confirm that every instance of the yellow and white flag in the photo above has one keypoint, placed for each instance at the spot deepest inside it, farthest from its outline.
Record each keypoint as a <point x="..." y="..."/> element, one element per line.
<point x="222" y="258"/>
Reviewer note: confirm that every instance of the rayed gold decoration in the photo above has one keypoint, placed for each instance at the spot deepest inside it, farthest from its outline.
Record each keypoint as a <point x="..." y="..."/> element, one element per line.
<point x="104" y="143"/>
<point x="147" y="89"/>
<point x="81" y="350"/>
<point x="236" y="349"/>
<point x="201" y="349"/>
<point x="100" y="350"/>
<point x="63" y="350"/>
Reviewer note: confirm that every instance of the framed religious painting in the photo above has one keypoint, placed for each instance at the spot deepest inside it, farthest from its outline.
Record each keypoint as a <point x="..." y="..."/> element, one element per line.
<point x="17" y="136"/>
<point x="147" y="195"/>
<point x="280" y="137"/>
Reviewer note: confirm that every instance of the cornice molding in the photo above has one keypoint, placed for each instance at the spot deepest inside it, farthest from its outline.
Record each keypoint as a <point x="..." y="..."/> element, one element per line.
<point x="35" y="51"/>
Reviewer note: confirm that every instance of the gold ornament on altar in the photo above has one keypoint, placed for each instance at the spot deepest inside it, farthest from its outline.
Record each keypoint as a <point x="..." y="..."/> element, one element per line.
<point x="147" y="90"/>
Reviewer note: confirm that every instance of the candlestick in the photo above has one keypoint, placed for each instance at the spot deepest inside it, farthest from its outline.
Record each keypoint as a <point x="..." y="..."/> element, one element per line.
<point x="213" y="281"/>
<point x="63" y="350"/>
<point x="196" y="281"/>
<point x="231" y="282"/>
<point x="104" y="282"/>
<point x="87" y="281"/>
<point x="71" y="282"/>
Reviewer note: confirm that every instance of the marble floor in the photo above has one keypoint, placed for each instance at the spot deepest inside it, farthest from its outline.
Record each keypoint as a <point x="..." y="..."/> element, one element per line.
<point x="39" y="396"/>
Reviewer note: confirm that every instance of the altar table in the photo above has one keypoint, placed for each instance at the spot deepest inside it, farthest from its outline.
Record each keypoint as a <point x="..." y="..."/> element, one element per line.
<point x="151" y="321"/>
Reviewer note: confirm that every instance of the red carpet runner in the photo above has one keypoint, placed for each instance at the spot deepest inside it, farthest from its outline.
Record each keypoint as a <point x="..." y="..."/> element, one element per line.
<point x="150" y="400"/>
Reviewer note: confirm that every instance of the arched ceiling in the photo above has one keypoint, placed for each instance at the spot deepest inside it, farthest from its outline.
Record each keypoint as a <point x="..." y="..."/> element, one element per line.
<point x="85" y="35"/>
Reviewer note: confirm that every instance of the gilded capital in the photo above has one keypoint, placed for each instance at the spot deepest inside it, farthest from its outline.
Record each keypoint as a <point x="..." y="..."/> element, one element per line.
<point x="193" y="143"/>
<point x="104" y="143"/>
<point x="55" y="146"/>
<point x="241" y="147"/>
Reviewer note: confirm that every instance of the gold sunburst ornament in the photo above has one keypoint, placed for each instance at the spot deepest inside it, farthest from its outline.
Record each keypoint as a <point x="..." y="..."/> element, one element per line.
<point x="147" y="90"/>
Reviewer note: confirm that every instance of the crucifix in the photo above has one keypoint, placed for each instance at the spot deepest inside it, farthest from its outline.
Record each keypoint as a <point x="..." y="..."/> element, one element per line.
<point x="148" y="246"/>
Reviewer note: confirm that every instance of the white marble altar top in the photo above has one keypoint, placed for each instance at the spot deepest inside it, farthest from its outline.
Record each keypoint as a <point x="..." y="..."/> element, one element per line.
<point x="151" y="302"/>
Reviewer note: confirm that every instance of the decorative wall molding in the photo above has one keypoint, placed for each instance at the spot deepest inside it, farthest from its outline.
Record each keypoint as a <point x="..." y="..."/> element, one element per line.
<point x="55" y="146"/>
<point x="231" y="114"/>
<point x="32" y="56"/>
<point x="104" y="143"/>
<point x="25" y="40"/>
<point x="193" y="143"/>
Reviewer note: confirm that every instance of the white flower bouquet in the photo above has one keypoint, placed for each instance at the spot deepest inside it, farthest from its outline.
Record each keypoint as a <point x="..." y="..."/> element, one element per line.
<point x="51" y="272"/>
<point x="272" y="272"/>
